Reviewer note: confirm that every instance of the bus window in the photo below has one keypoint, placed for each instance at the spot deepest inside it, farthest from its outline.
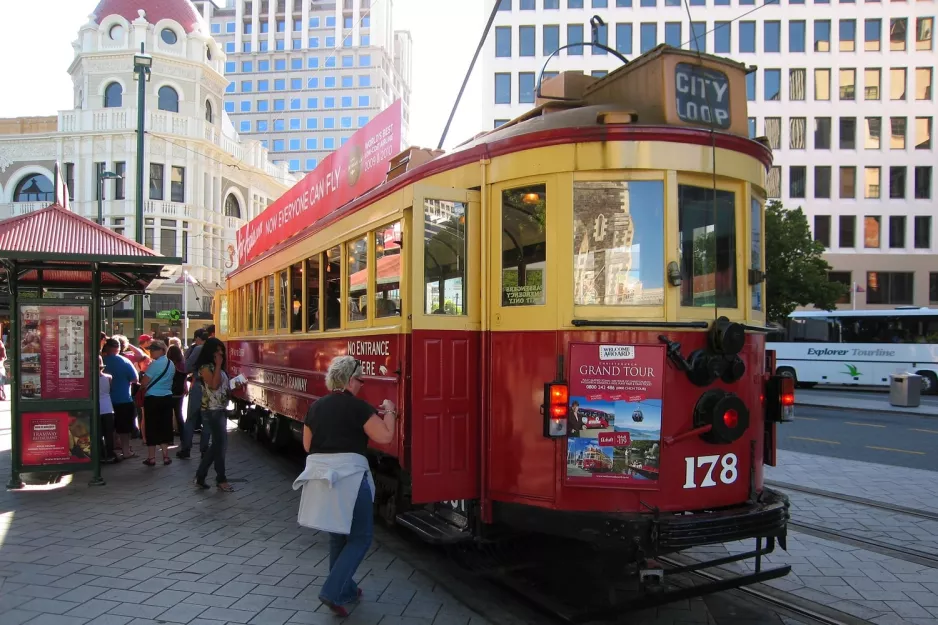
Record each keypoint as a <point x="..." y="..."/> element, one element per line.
<point x="708" y="247"/>
<point x="618" y="253"/>
<point x="388" y="243"/>
<point x="524" y="245"/>
<point x="445" y="251"/>
<point x="296" y="297"/>
<point x="755" y="256"/>
<point x="284" y="283"/>
<point x="358" y="280"/>
<point x="271" y="304"/>
<point x="333" y="265"/>
<point x="250" y="307"/>
<point x="312" y="294"/>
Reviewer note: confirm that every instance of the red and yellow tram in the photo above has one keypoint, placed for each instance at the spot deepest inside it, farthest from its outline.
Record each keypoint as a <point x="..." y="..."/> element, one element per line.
<point x="604" y="250"/>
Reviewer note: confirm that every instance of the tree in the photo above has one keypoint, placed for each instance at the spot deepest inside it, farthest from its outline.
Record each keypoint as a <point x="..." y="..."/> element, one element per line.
<point x="795" y="270"/>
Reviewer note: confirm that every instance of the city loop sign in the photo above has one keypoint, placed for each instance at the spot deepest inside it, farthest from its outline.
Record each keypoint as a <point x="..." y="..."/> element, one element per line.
<point x="351" y="171"/>
<point x="702" y="96"/>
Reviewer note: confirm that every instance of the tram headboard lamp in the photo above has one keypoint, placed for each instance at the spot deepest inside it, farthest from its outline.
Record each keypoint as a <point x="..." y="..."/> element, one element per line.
<point x="725" y="412"/>
<point x="555" y="409"/>
<point x="727" y="337"/>
<point x="674" y="273"/>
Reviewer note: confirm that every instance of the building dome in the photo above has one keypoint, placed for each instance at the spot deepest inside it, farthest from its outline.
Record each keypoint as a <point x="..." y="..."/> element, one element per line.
<point x="180" y="11"/>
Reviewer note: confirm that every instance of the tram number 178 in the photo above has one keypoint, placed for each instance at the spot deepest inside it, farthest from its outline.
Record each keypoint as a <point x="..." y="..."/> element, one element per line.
<point x="705" y="467"/>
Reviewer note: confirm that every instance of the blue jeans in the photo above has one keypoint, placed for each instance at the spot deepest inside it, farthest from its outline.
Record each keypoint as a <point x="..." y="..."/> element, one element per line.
<point x="216" y="421"/>
<point x="347" y="552"/>
<point x="194" y="420"/>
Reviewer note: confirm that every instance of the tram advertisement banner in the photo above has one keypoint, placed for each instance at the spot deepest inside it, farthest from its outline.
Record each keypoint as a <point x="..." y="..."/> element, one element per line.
<point x="615" y="413"/>
<point x="51" y="438"/>
<point x="54" y="353"/>
<point x="351" y="171"/>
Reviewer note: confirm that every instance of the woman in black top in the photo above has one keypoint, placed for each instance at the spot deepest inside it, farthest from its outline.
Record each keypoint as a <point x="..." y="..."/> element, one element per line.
<point x="341" y="423"/>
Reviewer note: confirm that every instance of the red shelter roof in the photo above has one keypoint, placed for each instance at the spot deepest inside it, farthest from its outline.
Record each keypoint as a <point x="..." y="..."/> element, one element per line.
<point x="181" y="11"/>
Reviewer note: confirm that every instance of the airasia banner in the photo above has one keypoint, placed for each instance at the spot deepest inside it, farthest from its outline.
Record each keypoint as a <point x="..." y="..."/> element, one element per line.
<point x="351" y="171"/>
<point x="615" y="413"/>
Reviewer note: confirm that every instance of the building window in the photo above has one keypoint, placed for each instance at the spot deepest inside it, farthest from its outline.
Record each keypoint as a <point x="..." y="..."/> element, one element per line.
<point x="772" y="35"/>
<point x="848" y="231"/>
<point x="822" y="133"/>
<point x="672" y="34"/>
<point x="120" y="168"/>
<point x="872" y="227"/>
<point x="897" y="231"/>
<point x="822" y="230"/>
<point x="747" y="37"/>
<point x="873" y="133"/>
<point x="923" y="32"/>
<point x="526" y="41"/>
<point x="503" y="41"/>
<point x="845" y="278"/>
<point x="502" y="88"/>
<point x="773" y="182"/>
<point x="99" y="193"/>
<point x="168" y="99"/>
<point x="848" y="35"/>
<point x="897" y="34"/>
<point x="897" y="83"/>
<point x="885" y="287"/>
<point x="504" y="5"/>
<point x="796" y="36"/>
<point x="797" y="79"/>
<point x="871" y="176"/>
<point x="848" y="133"/>
<point x="526" y="87"/>
<point x="551" y="39"/>
<point x="649" y="36"/>
<point x="923" y="232"/>
<point x="602" y="37"/>
<point x="797" y="179"/>
<point x="796" y="133"/>
<point x="923" y="83"/>
<point x="822" y="182"/>
<point x="156" y="181"/>
<point x="752" y="127"/>
<point x="848" y="182"/>
<point x="848" y="82"/>
<point x="773" y="131"/>
<point x="723" y="37"/>
<point x="822" y="85"/>
<point x="897" y="127"/>
<point x="574" y="36"/>
<point x="923" y="131"/>
<point x="751" y="87"/>
<point x="923" y="175"/>
<point x="872" y="35"/>
<point x="773" y="85"/>
<point x="822" y="35"/>
<point x="113" y="96"/>
<point x="70" y="180"/>
<point x="34" y="188"/>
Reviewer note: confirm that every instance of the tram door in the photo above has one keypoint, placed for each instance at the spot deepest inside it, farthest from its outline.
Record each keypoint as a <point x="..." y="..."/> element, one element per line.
<point x="444" y="418"/>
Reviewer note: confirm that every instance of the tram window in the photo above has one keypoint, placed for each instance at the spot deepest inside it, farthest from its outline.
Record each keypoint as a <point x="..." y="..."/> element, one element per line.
<point x="388" y="243"/>
<point x="296" y="297"/>
<point x="445" y="253"/>
<point x="358" y="280"/>
<point x="524" y="245"/>
<point x="284" y="281"/>
<point x="333" y="264"/>
<point x="708" y="246"/>
<point x="618" y="252"/>
<point x="249" y="289"/>
<point x="271" y="304"/>
<point x="259" y="304"/>
<point x="755" y="220"/>
<point x="312" y="294"/>
<point x="223" y="315"/>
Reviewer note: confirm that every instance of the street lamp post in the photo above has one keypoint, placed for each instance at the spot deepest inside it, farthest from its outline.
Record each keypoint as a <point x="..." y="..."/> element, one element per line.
<point x="142" y="64"/>
<point x="102" y="176"/>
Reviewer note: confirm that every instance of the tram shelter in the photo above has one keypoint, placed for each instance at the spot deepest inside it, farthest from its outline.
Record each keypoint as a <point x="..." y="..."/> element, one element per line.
<point x="58" y="268"/>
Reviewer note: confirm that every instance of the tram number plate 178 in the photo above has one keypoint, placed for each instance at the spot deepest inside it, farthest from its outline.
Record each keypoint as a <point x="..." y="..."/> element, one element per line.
<point x="705" y="471"/>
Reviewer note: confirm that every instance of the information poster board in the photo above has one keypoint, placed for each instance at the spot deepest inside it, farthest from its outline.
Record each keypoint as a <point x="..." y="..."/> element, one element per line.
<point x="54" y="353"/>
<point x="615" y="413"/>
<point x="54" y="438"/>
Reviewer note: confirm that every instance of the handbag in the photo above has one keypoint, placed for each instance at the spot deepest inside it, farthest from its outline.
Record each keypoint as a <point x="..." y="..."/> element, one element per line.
<point x="179" y="383"/>
<point x="142" y="391"/>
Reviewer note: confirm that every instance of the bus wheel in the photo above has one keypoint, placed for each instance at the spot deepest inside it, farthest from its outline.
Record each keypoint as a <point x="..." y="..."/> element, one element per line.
<point x="929" y="382"/>
<point x="787" y="372"/>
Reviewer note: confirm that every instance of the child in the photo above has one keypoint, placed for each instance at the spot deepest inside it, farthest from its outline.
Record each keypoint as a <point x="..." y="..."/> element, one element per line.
<point x="106" y="411"/>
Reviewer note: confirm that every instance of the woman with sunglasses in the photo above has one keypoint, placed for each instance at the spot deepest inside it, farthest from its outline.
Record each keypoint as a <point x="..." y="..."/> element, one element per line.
<point x="338" y="489"/>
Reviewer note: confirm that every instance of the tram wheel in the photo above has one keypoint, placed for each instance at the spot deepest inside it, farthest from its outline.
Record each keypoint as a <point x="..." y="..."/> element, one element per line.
<point x="258" y="428"/>
<point x="277" y="430"/>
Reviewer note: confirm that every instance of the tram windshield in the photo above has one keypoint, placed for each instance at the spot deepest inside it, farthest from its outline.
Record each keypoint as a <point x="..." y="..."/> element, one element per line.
<point x="707" y="223"/>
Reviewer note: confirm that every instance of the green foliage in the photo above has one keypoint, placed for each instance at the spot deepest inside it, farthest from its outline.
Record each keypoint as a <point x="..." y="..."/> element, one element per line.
<point x="796" y="272"/>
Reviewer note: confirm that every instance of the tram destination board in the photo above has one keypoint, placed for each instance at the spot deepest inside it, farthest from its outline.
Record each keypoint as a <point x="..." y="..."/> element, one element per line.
<point x="702" y="96"/>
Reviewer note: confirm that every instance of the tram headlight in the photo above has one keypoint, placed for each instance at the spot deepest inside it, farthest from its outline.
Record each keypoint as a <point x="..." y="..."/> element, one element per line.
<point x="725" y="413"/>
<point x="727" y="337"/>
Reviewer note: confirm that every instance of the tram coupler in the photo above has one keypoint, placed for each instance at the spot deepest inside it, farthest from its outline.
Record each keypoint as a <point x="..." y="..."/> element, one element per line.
<point x="651" y="573"/>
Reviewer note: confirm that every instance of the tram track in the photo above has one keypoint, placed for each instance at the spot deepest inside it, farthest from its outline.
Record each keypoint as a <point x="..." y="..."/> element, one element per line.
<point x="863" y="501"/>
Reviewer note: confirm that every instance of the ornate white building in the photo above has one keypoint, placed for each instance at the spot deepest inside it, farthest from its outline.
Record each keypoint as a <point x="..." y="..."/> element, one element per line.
<point x="202" y="182"/>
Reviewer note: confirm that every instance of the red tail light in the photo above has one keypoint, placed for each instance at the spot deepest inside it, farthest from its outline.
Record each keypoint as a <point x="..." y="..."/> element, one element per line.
<point x="780" y="399"/>
<point x="787" y="391"/>
<point x="730" y="418"/>
<point x="555" y="409"/>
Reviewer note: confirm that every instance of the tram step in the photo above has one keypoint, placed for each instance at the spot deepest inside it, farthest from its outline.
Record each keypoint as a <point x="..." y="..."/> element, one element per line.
<point x="432" y="528"/>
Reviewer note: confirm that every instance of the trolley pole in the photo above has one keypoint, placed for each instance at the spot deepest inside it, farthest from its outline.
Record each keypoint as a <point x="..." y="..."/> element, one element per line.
<point x="142" y="64"/>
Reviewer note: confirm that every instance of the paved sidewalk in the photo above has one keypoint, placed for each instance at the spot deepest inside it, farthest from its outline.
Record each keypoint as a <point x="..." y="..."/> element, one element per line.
<point x="869" y="401"/>
<point x="148" y="548"/>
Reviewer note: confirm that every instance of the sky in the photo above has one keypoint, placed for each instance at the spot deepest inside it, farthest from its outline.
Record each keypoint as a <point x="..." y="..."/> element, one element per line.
<point x="445" y="34"/>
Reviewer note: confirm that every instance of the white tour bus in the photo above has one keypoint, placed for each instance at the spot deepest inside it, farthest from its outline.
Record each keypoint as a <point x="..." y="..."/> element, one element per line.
<point x="859" y="347"/>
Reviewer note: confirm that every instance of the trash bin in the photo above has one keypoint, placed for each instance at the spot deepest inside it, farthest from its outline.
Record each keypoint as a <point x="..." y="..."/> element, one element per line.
<point x="905" y="389"/>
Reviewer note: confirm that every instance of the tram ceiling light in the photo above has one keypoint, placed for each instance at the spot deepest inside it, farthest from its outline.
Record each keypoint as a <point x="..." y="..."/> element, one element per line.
<point x="531" y="198"/>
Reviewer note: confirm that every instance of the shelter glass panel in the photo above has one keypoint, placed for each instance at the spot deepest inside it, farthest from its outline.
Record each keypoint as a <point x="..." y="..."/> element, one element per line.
<point x="524" y="246"/>
<point x="446" y="252"/>
<point x="618" y="243"/>
<point x="707" y="225"/>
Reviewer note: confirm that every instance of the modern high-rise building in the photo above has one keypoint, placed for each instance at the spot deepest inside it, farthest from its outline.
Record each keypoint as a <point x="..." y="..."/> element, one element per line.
<point x="306" y="74"/>
<point x="843" y="89"/>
